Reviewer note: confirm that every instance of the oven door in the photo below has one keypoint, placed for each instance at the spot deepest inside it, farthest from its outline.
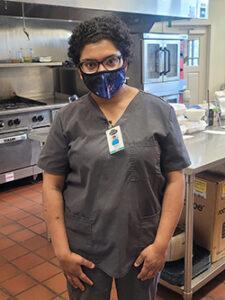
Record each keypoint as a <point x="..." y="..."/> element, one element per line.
<point x="17" y="151"/>
<point x="171" y="51"/>
<point x="152" y="61"/>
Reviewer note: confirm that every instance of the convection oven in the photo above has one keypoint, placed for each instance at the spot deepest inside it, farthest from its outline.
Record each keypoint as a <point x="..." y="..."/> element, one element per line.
<point x="157" y="63"/>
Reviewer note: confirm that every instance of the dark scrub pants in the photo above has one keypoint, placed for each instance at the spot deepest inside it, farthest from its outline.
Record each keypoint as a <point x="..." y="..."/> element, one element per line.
<point x="128" y="287"/>
<point x="112" y="202"/>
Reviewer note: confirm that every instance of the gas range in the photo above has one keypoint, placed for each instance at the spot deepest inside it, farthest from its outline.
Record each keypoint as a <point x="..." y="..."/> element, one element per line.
<point x="17" y="102"/>
<point x="19" y="153"/>
<point x="18" y="113"/>
<point x="18" y="116"/>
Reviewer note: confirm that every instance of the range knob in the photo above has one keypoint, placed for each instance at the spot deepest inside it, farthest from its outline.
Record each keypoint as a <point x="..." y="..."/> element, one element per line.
<point x="17" y="121"/>
<point x="34" y="119"/>
<point x="10" y="123"/>
<point x="2" y="124"/>
<point x="40" y="118"/>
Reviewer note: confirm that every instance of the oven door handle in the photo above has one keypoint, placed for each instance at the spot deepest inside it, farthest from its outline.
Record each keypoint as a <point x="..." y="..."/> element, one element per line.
<point x="159" y="61"/>
<point x="14" y="138"/>
<point x="167" y="62"/>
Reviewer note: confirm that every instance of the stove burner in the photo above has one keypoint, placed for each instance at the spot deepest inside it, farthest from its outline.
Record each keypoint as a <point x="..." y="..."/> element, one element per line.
<point x="18" y="102"/>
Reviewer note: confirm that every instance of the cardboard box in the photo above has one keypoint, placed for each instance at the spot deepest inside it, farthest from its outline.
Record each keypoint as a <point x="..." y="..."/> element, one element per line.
<point x="209" y="213"/>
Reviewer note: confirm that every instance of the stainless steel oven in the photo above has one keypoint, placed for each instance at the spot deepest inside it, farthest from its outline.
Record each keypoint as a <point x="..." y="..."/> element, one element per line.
<point x="156" y="65"/>
<point x="17" y="151"/>
<point x="161" y="55"/>
<point x="19" y="154"/>
<point x="161" y="60"/>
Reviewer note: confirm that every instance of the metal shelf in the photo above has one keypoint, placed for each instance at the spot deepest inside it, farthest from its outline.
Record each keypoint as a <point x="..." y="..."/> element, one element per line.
<point x="200" y="280"/>
<point x="215" y="269"/>
<point x="34" y="64"/>
<point x="209" y="157"/>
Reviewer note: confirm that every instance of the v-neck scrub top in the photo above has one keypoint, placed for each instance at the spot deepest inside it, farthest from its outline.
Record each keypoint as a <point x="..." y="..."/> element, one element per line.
<point x="112" y="202"/>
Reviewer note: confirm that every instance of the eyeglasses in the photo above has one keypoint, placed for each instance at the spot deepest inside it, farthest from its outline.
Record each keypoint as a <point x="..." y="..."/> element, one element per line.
<point x="110" y="63"/>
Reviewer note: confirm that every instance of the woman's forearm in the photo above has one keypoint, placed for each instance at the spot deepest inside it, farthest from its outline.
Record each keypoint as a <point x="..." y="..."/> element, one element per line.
<point x="171" y="209"/>
<point x="53" y="206"/>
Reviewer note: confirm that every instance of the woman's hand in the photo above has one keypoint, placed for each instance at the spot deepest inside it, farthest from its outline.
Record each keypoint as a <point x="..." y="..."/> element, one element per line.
<point x="153" y="259"/>
<point x="71" y="265"/>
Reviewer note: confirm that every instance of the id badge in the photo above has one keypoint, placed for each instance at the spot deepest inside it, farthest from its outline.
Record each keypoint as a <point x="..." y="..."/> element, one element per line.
<point x="115" y="139"/>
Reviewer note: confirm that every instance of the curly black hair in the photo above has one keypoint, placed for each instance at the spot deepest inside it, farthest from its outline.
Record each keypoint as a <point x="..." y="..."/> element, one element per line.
<point x="106" y="27"/>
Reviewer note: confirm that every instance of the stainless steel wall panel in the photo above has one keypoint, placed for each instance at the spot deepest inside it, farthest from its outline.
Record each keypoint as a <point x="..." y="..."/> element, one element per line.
<point x="26" y="82"/>
<point x="47" y="38"/>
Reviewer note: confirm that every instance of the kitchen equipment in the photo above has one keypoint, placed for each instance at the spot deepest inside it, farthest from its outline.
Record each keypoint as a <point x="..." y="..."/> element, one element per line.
<point x="187" y="97"/>
<point x="210" y="117"/>
<point x="16" y="102"/>
<point x="68" y="81"/>
<point x="45" y="59"/>
<point x="179" y="108"/>
<point x="173" y="271"/>
<point x="220" y="96"/>
<point x="39" y="134"/>
<point x="183" y="128"/>
<point x="161" y="64"/>
<point x="195" y="126"/>
<point x="180" y="9"/>
<point x="19" y="154"/>
<point x="182" y="120"/>
<point x="24" y="24"/>
<point x="159" y="71"/>
<point x="161" y="54"/>
<point x="195" y="114"/>
<point x="73" y="98"/>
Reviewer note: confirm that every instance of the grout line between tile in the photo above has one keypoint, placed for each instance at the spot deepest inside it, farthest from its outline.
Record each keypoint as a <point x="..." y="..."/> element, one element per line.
<point x="19" y="243"/>
<point x="26" y="273"/>
<point x="5" y="291"/>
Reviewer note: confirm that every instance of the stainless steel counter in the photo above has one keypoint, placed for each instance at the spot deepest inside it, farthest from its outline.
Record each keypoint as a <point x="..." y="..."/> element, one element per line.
<point x="205" y="150"/>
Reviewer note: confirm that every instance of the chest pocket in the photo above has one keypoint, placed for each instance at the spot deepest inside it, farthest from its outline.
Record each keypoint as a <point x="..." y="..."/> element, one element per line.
<point x="143" y="159"/>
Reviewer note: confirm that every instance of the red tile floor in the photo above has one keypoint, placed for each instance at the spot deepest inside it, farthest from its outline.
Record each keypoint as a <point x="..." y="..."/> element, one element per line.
<point x="29" y="268"/>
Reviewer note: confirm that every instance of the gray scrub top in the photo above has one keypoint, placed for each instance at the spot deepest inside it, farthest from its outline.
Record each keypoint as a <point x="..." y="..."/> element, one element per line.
<point x="112" y="202"/>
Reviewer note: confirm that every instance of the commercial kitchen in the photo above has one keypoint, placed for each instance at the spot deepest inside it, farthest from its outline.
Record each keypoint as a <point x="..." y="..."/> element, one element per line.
<point x="179" y="49"/>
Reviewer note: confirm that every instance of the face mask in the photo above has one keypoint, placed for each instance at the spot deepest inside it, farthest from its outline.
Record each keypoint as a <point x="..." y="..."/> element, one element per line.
<point x="105" y="84"/>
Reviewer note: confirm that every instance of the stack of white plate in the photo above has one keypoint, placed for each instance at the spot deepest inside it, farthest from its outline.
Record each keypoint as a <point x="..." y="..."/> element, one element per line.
<point x="195" y="120"/>
<point x="190" y="120"/>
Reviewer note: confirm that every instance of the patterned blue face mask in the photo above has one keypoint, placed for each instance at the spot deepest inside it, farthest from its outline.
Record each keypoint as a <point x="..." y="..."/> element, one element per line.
<point x="105" y="84"/>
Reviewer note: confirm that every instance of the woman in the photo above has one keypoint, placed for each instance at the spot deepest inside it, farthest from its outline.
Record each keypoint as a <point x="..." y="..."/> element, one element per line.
<point x="113" y="182"/>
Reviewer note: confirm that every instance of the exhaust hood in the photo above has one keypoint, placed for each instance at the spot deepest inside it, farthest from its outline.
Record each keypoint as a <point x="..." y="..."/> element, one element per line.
<point x="139" y="15"/>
